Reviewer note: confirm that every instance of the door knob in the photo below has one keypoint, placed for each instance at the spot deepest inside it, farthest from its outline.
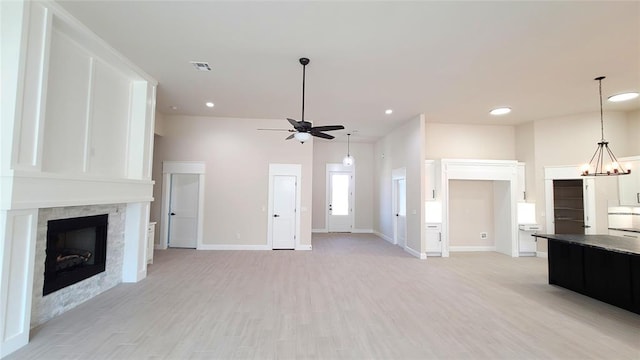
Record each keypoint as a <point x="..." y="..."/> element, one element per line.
<point x="276" y="215"/>
<point x="173" y="213"/>
<point x="397" y="214"/>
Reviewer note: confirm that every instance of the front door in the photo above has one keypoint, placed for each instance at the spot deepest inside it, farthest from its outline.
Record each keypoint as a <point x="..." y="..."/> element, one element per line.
<point x="340" y="209"/>
<point x="284" y="211"/>
<point x="183" y="211"/>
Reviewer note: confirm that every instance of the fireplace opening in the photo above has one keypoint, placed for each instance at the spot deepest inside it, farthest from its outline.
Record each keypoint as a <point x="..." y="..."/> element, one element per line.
<point x="76" y="250"/>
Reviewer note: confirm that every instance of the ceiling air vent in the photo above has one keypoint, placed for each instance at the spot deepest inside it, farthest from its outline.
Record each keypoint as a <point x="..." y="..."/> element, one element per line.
<point x="201" y="65"/>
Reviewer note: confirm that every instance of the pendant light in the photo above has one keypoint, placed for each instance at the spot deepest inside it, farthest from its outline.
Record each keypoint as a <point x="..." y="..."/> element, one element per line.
<point x="348" y="160"/>
<point x="597" y="166"/>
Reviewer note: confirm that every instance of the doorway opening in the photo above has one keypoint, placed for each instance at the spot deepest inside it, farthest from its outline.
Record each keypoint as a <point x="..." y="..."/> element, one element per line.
<point x="182" y="204"/>
<point x="340" y="189"/>
<point x="284" y="206"/>
<point x="568" y="207"/>
<point x="399" y="202"/>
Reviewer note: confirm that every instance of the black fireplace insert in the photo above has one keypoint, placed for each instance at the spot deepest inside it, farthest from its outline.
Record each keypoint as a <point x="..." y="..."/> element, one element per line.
<point x="76" y="250"/>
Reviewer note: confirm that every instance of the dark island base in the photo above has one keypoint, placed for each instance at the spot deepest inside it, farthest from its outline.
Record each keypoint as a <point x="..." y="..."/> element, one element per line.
<point x="611" y="276"/>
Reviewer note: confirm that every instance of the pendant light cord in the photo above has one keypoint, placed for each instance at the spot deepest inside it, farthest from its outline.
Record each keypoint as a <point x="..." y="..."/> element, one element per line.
<point x="304" y="68"/>
<point x="601" y="116"/>
<point x="348" y="145"/>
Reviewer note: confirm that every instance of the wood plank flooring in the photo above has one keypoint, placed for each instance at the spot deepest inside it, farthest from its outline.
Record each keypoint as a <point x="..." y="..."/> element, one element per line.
<point x="352" y="297"/>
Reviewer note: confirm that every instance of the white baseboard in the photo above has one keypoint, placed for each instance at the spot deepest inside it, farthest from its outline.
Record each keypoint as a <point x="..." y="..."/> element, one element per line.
<point x="362" y="231"/>
<point x="232" y="247"/>
<point x="383" y="236"/>
<point x="471" y="248"/>
<point x="417" y="254"/>
<point x="303" y="247"/>
<point x="542" y="254"/>
<point x="354" y="231"/>
<point x="159" y="247"/>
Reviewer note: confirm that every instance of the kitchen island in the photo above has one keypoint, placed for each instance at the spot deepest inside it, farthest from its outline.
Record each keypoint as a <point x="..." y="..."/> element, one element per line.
<point x="603" y="267"/>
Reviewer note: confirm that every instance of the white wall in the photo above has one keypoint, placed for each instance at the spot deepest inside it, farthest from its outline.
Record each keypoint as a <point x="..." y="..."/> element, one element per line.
<point x="471" y="211"/>
<point x="525" y="152"/>
<point x="237" y="158"/>
<point x="402" y="148"/>
<point x="333" y="151"/>
<point x="572" y="140"/>
<point x="458" y="141"/>
<point x="633" y="134"/>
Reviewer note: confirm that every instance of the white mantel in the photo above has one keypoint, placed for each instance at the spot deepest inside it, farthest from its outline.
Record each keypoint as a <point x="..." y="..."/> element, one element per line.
<point x="76" y="129"/>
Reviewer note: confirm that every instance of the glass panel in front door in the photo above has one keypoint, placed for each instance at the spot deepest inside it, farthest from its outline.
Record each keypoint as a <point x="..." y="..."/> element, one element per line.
<point x="339" y="194"/>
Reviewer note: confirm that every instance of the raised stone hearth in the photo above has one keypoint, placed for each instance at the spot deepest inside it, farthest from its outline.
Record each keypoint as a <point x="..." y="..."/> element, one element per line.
<point x="51" y="305"/>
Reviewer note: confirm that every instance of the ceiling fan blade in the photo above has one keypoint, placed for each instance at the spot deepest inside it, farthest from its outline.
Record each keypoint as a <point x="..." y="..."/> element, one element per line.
<point x="295" y="123"/>
<point x="290" y="137"/>
<point x="321" y="135"/>
<point x="276" y="130"/>
<point x="327" y="128"/>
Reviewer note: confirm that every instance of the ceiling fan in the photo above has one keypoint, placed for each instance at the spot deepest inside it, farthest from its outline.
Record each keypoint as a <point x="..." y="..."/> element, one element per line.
<point x="303" y="130"/>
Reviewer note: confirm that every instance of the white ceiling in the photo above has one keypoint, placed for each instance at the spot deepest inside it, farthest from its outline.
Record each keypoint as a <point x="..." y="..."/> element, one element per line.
<point x="452" y="61"/>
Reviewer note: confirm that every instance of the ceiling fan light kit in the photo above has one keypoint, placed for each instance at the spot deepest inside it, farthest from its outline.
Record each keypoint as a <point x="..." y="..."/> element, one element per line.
<point x="596" y="166"/>
<point x="304" y="130"/>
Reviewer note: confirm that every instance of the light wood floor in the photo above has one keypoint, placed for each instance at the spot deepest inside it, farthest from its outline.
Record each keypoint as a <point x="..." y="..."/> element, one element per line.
<point x="355" y="297"/>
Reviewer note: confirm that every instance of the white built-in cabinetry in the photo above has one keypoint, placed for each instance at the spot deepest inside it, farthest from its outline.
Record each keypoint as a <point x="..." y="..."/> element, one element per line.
<point x="629" y="185"/>
<point x="430" y="179"/>
<point x="629" y="234"/>
<point x="151" y="234"/>
<point x="433" y="239"/>
<point x="522" y="189"/>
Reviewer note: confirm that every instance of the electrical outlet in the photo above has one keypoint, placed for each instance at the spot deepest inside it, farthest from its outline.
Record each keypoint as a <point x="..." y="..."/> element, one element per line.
<point x="483" y="235"/>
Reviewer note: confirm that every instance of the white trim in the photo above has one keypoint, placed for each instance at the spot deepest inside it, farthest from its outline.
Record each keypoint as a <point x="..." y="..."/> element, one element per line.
<point x="18" y="229"/>
<point x="304" y="247"/>
<point x="232" y="247"/>
<point x="183" y="167"/>
<point x="319" y="231"/>
<point x="289" y="170"/>
<point x="351" y="170"/>
<point x="419" y="255"/>
<point x="180" y="167"/>
<point x="398" y="174"/>
<point x="383" y="237"/>
<point x="492" y="170"/>
<point x="471" y="248"/>
<point x="362" y="231"/>
<point x="542" y="254"/>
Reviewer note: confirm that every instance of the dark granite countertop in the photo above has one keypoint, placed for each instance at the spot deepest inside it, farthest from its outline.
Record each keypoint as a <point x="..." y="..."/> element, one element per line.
<point x="607" y="242"/>
<point x="626" y="229"/>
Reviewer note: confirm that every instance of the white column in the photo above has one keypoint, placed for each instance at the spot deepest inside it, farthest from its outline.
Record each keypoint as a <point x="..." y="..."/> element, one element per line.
<point x="134" y="267"/>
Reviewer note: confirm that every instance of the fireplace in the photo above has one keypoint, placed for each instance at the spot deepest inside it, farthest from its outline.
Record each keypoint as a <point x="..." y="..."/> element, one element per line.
<point x="76" y="250"/>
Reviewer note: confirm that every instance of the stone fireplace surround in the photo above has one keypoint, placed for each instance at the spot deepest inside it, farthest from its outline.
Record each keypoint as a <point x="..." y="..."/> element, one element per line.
<point x="46" y="307"/>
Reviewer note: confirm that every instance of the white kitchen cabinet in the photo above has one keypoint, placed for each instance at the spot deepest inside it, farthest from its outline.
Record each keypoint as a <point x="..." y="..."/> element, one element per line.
<point x="628" y="234"/>
<point x="434" y="239"/>
<point x="527" y="243"/>
<point x="629" y="185"/>
<point x="522" y="189"/>
<point x="151" y="234"/>
<point x="430" y="179"/>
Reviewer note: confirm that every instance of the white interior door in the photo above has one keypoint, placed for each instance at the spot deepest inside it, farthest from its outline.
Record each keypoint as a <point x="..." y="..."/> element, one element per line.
<point x="284" y="212"/>
<point x="183" y="210"/>
<point x="340" y="209"/>
<point x="400" y="211"/>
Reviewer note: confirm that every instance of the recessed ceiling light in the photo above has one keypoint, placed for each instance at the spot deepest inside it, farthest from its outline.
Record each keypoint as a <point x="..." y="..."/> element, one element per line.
<point x="623" y="97"/>
<point x="388" y="111"/>
<point x="500" y="111"/>
<point x="173" y="107"/>
<point x="210" y="104"/>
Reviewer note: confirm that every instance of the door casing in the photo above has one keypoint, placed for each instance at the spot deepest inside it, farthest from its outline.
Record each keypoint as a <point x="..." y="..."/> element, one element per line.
<point x="291" y="170"/>
<point x="343" y="169"/>
<point x="180" y="167"/>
